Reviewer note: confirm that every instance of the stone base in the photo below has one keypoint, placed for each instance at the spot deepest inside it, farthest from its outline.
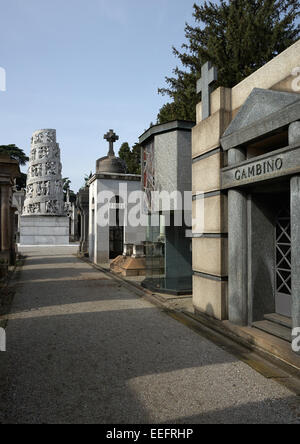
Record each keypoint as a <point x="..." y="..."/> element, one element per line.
<point x="44" y="230"/>
<point x="129" y="266"/>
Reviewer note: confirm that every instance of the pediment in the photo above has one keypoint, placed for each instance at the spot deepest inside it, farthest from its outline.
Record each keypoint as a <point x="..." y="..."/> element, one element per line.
<point x="260" y="104"/>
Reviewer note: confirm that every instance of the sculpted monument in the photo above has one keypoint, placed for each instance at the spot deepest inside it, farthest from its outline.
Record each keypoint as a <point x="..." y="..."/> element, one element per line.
<point x="44" y="220"/>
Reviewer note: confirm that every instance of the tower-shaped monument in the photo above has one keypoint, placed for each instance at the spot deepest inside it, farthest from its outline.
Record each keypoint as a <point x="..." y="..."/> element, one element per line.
<point x="44" y="220"/>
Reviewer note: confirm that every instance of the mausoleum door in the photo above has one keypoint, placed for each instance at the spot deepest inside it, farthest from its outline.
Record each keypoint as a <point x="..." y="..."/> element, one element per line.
<point x="283" y="275"/>
<point x="116" y="241"/>
<point x="116" y="231"/>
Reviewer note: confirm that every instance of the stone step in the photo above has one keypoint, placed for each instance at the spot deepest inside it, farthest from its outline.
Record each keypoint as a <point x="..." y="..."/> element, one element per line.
<point x="274" y="329"/>
<point x="279" y="319"/>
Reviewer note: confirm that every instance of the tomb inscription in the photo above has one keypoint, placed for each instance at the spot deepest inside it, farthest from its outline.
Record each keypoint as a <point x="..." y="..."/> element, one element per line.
<point x="258" y="169"/>
<point x="283" y="162"/>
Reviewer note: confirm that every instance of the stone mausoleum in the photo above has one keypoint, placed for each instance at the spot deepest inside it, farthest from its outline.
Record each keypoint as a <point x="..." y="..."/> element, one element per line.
<point x="246" y="161"/>
<point x="9" y="171"/>
<point x="109" y="231"/>
<point x="166" y="168"/>
<point x="44" y="220"/>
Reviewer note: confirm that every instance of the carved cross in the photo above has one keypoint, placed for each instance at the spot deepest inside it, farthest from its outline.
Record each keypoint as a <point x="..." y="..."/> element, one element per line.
<point x="209" y="76"/>
<point x="111" y="137"/>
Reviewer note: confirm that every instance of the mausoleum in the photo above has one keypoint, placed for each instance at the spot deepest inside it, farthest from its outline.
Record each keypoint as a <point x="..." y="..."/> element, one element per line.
<point x="167" y="169"/>
<point x="246" y="161"/>
<point x="109" y="189"/>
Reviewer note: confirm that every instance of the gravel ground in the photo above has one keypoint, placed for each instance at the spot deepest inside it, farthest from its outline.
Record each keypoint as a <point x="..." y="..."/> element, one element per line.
<point x="81" y="348"/>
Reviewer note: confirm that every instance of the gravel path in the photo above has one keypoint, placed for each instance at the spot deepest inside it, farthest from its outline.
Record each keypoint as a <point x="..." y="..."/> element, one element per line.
<point x="81" y="348"/>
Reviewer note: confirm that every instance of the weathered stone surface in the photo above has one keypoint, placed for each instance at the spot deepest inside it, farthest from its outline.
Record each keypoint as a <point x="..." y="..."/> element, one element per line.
<point x="210" y="255"/>
<point x="260" y="103"/>
<point x="294" y="133"/>
<point x="263" y="113"/>
<point x="9" y="170"/>
<point x="279" y="163"/>
<point x="220" y="99"/>
<point x="237" y="258"/>
<point x="206" y="174"/>
<point x="44" y="230"/>
<point x="214" y="214"/>
<point x="295" y="218"/>
<point x="209" y="75"/>
<point x="206" y="135"/>
<point x="82" y="202"/>
<point x="44" y="190"/>
<point x="210" y="296"/>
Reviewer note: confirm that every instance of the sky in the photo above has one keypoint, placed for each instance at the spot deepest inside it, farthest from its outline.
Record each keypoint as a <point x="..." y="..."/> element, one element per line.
<point x="84" y="67"/>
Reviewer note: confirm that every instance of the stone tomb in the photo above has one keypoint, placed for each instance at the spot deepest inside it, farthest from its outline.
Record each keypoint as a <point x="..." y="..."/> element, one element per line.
<point x="263" y="183"/>
<point x="167" y="168"/>
<point x="44" y="220"/>
<point x="107" y="239"/>
<point x="246" y="168"/>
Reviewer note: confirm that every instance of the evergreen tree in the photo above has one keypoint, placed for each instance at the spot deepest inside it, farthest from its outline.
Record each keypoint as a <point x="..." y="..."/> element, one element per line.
<point x="132" y="157"/>
<point x="238" y="37"/>
<point x="135" y="166"/>
<point x="21" y="181"/>
<point x="15" y="153"/>
<point x="125" y="153"/>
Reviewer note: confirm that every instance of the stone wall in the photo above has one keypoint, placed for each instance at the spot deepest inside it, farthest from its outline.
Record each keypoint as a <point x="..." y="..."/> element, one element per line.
<point x="98" y="234"/>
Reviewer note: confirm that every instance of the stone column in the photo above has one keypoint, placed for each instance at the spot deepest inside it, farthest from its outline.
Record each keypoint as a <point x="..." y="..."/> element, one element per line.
<point x="82" y="202"/>
<point x="237" y="249"/>
<point x="85" y="230"/>
<point x="13" y="248"/>
<point x="294" y="133"/>
<point x="294" y="137"/>
<point x="81" y="231"/>
<point x="295" y="229"/>
<point x="5" y="218"/>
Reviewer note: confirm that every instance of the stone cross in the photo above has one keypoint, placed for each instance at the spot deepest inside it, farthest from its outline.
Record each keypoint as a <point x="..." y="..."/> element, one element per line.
<point x="111" y="137"/>
<point x="209" y="76"/>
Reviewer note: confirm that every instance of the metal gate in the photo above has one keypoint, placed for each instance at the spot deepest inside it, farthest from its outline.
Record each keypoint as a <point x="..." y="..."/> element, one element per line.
<point x="283" y="275"/>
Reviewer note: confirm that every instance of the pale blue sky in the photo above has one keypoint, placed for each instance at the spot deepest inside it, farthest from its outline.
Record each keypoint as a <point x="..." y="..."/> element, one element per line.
<point x="83" y="67"/>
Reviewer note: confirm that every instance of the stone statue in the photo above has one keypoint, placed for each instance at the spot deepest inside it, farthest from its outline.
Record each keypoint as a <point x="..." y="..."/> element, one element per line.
<point x="39" y="188"/>
<point x="46" y="188"/>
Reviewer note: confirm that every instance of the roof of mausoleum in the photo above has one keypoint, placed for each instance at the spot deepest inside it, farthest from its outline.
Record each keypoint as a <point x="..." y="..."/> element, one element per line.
<point x="265" y="112"/>
<point x="115" y="176"/>
<point x="174" y="125"/>
<point x="111" y="163"/>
